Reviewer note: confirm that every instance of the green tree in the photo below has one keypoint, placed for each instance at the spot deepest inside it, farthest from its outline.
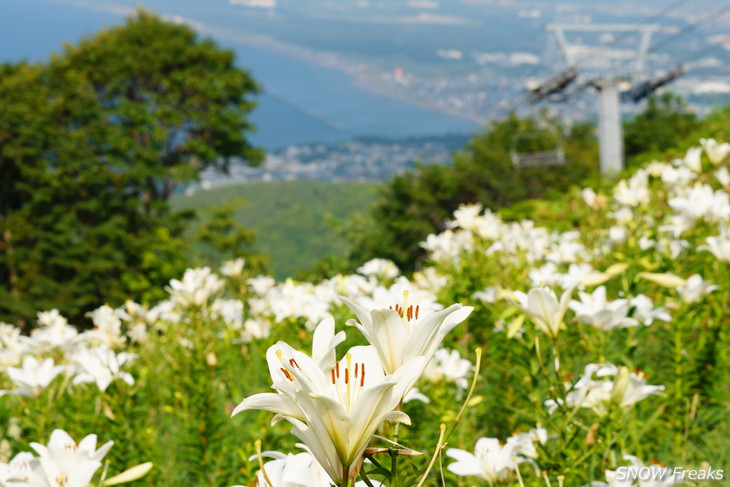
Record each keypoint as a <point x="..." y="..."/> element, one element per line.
<point x="93" y="145"/>
<point x="716" y="125"/>
<point x="665" y="124"/>
<point x="166" y="104"/>
<point x="23" y="135"/>
<point x="221" y="235"/>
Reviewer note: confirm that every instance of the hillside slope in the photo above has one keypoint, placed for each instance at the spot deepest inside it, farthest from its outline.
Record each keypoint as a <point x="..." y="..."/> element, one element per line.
<point x="292" y="219"/>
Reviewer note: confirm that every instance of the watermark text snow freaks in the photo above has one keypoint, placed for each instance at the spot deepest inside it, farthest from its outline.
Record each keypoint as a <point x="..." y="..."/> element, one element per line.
<point x="655" y="473"/>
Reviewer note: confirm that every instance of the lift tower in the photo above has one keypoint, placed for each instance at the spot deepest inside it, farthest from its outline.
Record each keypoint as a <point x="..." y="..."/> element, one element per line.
<point x="608" y="68"/>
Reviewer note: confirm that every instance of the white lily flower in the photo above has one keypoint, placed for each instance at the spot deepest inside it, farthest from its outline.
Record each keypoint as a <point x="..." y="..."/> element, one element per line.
<point x="699" y="202"/>
<point x="13" y="346"/>
<point x="415" y="395"/>
<point x="693" y="159"/>
<point x="719" y="245"/>
<point x="490" y="461"/>
<point x="261" y="285"/>
<point x="448" y="245"/>
<point x="102" y="366"/>
<point x="589" y="196"/>
<point x="604" y="315"/>
<point x="466" y="217"/>
<point x="524" y="443"/>
<point x="335" y="407"/>
<point x="229" y="310"/>
<point x="382" y="269"/>
<point x="631" y="387"/>
<point x="21" y="471"/>
<point x="324" y="342"/>
<point x="547" y="275"/>
<point x="695" y="288"/>
<point x="162" y="312"/>
<point x="677" y="176"/>
<point x="233" y="268"/>
<point x="723" y="176"/>
<point x="715" y="151"/>
<point x="54" y="332"/>
<point x="255" y="329"/>
<point x="51" y="318"/>
<point x="65" y="463"/>
<point x="617" y="234"/>
<point x="645" y="312"/>
<point x="604" y="384"/>
<point x="33" y="377"/>
<point x="488" y="295"/>
<point x="195" y="288"/>
<point x="581" y="275"/>
<point x="447" y="365"/>
<point x="137" y="332"/>
<point x="400" y="334"/>
<point x="430" y="280"/>
<point x="290" y="300"/>
<point x="542" y="307"/>
<point x="300" y="470"/>
<point x="633" y="192"/>
<point x="107" y="326"/>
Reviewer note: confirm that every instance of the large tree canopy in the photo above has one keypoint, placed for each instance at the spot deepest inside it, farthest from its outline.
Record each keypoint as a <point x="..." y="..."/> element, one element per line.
<point x="165" y="103"/>
<point x="665" y="124"/>
<point x="92" y="146"/>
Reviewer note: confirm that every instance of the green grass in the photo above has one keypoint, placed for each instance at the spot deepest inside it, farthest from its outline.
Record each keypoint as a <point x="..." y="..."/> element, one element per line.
<point x="293" y="220"/>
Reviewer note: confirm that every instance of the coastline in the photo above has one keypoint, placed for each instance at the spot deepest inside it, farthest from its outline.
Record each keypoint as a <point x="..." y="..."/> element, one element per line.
<point x="371" y="84"/>
<point x="362" y="76"/>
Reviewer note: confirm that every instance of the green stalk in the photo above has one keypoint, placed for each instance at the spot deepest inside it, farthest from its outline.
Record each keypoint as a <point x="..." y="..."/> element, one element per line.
<point x="439" y="446"/>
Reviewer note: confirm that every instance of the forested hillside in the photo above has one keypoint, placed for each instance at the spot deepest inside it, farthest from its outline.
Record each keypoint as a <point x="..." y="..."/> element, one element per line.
<point x="294" y="221"/>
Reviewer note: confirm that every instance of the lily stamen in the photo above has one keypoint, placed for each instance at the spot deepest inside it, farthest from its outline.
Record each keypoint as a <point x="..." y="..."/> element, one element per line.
<point x="359" y="373"/>
<point x="348" y="358"/>
<point x="71" y="446"/>
<point x="283" y="369"/>
<point x="405" y="307"/>
<point x="287" y="374"/>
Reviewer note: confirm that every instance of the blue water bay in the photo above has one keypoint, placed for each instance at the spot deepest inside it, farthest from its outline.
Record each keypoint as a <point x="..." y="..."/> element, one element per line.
<point x="302" y="102"/>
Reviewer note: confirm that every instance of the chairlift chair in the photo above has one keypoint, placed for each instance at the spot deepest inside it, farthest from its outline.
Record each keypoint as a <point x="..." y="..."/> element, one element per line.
<point x="552" y="156"/>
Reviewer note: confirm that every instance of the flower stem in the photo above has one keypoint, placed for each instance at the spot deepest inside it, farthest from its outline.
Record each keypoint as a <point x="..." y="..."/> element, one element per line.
<point x="474" y="380"/>
<point x="261" y="463"/>
<point x="439" y="446"/>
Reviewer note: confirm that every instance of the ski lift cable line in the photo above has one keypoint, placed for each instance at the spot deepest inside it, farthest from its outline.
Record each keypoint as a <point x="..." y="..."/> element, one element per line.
<point x="626" y="35"/>
<point x="675" y="37"/>
<point x="665" y="42"/>
<point x="629" y="31"/>
<point x="690" y="28"/>
<point x="700" y="54"/>
<point x="527" y="101"/>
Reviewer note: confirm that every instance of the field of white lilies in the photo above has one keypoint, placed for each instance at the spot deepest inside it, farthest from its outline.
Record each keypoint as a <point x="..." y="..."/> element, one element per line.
<point x="589" y="347"/>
